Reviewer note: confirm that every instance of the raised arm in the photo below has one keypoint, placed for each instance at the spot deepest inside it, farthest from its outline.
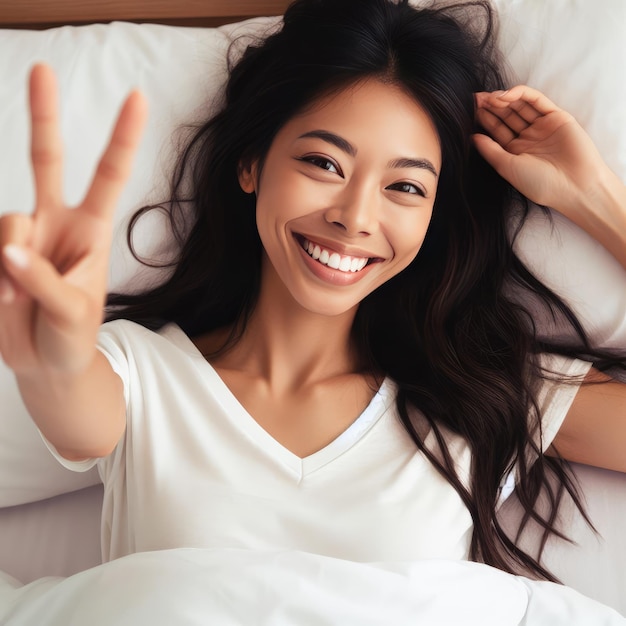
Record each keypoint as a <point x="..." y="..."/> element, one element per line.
<point x="543" y="152"/>
<point x="53" y="281"/>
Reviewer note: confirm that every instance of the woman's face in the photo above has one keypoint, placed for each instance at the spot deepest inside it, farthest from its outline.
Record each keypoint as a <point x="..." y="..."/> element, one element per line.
<point x="345" y="196"/>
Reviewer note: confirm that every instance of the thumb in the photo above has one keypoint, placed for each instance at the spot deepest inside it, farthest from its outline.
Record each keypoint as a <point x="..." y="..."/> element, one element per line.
<point x="39" y="279"/>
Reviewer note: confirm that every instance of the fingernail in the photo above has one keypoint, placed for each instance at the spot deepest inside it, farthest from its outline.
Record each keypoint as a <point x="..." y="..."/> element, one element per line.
<point x="16" y="255"/>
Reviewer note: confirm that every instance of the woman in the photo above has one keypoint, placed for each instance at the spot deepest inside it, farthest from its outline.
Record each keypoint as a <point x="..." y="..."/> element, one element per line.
<point x="340" y="360"/>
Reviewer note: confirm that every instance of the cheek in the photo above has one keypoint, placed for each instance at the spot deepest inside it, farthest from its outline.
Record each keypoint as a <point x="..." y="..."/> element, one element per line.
<point x="279" y="203"/>
<point x="409" y="233"/>
<point x="280" y="197"/>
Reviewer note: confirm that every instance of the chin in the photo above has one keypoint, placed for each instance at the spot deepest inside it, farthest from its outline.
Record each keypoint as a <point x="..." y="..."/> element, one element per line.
<point x="329" y="306"/>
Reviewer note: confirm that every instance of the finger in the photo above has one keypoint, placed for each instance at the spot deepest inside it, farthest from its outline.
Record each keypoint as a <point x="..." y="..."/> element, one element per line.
<point x="61" y="302"/>
<point x="46" y="145"/>
<point x="517" y="114"/>
<point x="495" y="127"/>
<point x="521" y="99"/>
<point x="533" y="97"/>
<point x="14" y="228"/>
<point x="510" y="117"/>
<point x="7" y="291"/>
<point x="115" y="165"/>
<point x="525" y="111"/>
<point x="481" y="96"/>
<point x="494" y="154"/>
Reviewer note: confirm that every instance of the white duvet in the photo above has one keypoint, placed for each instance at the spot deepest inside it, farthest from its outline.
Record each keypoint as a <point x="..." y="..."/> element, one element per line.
<point x="236" y="587"/>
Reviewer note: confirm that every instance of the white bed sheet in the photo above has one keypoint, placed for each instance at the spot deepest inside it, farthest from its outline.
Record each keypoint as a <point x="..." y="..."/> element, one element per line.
<point x="195" y="587"/>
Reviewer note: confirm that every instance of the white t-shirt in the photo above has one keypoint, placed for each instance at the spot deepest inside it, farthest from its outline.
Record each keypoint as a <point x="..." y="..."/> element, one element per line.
<point x="194" y="469"/>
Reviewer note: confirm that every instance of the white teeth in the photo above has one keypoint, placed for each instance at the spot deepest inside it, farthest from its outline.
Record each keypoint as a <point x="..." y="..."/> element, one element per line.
<point x="333" y="259"/>
<point x="345" y="264"/>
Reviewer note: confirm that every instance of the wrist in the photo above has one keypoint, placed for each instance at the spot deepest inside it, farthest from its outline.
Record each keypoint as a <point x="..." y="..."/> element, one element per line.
<point x="600" y="210"/>
<point x="52" y="378"/>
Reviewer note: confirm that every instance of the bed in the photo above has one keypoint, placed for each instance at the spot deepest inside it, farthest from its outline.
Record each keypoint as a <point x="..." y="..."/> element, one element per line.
<point x="49" y="517"/>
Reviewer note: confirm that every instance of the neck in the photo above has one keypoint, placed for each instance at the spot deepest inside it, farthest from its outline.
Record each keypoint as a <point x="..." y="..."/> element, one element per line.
<point x="289" y="346"/>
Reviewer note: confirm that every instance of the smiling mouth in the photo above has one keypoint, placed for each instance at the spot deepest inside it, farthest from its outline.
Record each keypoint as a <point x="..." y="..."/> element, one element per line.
<point x="334" y="260"/>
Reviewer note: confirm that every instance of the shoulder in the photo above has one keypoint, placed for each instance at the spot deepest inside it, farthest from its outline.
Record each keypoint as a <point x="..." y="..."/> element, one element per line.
<point x="130" y="346"/>
<point x="125" y="332"/>
<point x="125" y="328"/>
<point x="562" y="367"/>
<point x="560" y="378"/>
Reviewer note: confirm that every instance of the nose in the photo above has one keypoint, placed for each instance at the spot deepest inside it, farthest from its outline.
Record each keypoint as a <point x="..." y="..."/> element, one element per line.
<point x="355" y="211"/>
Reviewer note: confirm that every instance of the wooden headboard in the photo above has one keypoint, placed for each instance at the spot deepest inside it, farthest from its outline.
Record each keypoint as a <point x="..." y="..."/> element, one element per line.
<point x="49" y="13"/>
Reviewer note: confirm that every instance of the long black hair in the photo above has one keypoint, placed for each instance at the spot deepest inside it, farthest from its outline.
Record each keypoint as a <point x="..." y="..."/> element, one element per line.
<point x="462" y="349"/>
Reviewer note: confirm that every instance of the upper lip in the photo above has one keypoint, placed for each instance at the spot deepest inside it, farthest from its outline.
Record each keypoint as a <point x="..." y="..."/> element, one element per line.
<point x="335" y="246"/>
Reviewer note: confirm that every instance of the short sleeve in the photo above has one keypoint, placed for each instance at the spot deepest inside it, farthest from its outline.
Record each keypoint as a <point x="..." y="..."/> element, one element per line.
<point x="112" y="344"/>
<point x="557" y="392"/>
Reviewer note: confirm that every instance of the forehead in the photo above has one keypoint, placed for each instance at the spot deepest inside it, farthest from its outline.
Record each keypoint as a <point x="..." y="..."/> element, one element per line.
<point x="371" y="113"/>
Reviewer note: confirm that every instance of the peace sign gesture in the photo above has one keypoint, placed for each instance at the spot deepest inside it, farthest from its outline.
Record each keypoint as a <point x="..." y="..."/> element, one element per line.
<point x="54" y="262"/>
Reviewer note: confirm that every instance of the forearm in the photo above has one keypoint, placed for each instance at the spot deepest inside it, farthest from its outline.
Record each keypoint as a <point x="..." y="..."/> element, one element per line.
<point x="601" y="212"/>
<point x="82" y="414"/>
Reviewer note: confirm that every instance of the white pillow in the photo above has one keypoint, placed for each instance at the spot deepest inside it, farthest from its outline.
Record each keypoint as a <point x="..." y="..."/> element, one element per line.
<point x="575" y="52"/>
<point x="567" y="48"/>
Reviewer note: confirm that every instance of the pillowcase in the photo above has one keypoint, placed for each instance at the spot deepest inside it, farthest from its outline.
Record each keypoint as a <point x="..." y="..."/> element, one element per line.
<point x="575" y="52"/>
<point x="181" y="71"/>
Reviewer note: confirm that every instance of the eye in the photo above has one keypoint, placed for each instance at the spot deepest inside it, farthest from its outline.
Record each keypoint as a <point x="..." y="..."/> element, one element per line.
<point x="405" y="187"/>
<point x="323" y="163"/>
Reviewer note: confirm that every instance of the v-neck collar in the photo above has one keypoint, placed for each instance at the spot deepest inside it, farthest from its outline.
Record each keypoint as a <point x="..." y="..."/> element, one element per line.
<point x="300" y="466"/>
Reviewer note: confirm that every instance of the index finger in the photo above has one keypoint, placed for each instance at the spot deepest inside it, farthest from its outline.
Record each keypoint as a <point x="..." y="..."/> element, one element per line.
<point x="115" y="164"/>
<point x="46" y="147"/>
<point x="533" y="97"/>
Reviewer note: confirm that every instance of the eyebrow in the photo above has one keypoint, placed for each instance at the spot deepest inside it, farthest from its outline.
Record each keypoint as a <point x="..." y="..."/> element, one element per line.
<point x="348" y="148"/>
<point x="423" y="164"/>
<point x="335" y="140"/>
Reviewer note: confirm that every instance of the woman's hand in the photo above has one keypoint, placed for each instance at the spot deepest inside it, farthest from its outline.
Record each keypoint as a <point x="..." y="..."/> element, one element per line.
<point x="538" y="147"/>
<point x="54" y="263"/>
<point x="548" y="157"/>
